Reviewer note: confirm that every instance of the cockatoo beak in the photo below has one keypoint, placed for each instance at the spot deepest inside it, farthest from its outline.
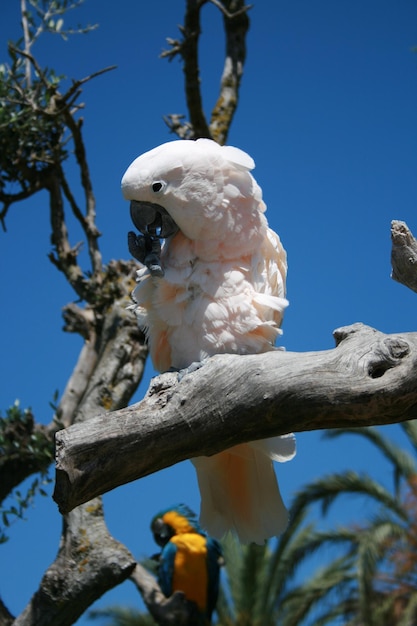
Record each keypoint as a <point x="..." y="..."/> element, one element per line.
<point x="152" y="219"/>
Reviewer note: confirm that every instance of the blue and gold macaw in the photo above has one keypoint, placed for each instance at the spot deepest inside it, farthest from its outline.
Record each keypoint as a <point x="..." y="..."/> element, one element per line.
<point x="190" y="560"/>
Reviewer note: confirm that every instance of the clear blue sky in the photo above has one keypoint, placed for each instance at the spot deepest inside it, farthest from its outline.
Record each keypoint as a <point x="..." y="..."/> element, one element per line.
<point x="327" y="110"/>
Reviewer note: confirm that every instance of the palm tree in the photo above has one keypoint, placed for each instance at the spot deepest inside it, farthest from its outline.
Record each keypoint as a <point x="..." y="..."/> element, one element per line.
<point x="372" y="580"/>
<point x="121" y="616"/>
<point x="260" y="582"/>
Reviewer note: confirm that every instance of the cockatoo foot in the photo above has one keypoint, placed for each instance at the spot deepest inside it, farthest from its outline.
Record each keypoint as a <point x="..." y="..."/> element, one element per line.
<point x="154" y="224"/>
<point x="147" y="250"/>
<point x="193" y="367"/>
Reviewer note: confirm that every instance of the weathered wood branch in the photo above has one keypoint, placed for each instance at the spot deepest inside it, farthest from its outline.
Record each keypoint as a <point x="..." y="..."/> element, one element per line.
<point x="369" y="378"/>
<point x="90" y="561"/>
<point x="403" y="255"/>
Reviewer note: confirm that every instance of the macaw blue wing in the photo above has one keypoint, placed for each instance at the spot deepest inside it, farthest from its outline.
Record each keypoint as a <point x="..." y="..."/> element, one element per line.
<point x="166" y="568"/>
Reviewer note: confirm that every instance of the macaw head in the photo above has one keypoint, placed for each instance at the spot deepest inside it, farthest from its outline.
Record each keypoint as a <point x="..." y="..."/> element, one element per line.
<point x="176" y="520"/>
<point x="199" y="187"/>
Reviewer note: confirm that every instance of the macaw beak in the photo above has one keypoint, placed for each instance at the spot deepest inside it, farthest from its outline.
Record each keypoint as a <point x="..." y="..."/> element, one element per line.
<point x="152" y="219"/>
<point x="162" y="533"/>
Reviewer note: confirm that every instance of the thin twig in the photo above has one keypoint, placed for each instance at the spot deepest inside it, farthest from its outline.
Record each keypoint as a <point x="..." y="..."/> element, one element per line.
<point x="27" y="40"/>
<point x="228" y="14"/>
<point x="87" y="221"/>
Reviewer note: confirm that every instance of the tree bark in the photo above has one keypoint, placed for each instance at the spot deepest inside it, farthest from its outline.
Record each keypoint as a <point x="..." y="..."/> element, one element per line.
<point x="369" y="378"/>
<point x="89" y="562"/>
<point x="403" y="255"/>
<point x="236" y="25"/>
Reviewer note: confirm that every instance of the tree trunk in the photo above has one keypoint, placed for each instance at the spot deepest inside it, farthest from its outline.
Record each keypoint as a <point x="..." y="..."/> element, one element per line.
<point x="90" y="561"/>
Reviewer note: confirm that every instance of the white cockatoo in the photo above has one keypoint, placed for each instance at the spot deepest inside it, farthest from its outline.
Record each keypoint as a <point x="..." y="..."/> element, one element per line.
<point x="217" y="286"/>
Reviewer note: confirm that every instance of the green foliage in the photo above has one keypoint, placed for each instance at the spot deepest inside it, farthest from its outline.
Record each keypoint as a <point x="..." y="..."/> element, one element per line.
<point x="18" y="436"/>
<point x="372" y="579"/>
<point x="46" y="16"/>
<point x="36" y="119"/>
<point x="21" y="441"/>
<point x="21" y="503"/>
<point x="30" y="130"/>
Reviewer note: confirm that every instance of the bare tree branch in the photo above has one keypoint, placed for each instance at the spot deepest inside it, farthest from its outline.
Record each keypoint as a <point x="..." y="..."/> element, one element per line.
<point x="6" y="618"/>
<point x="236" y="25"/>
<point x="45" y="103"/>
<point x="403" y="255"/>
<point x="65" y="257"/>
<point x="369" y="378"/>
<point x="89" y="562"/>
<point x="188" y="49"/>
<point x="230" y="9"/>
<point x="87" y="221"/>
<point x="111" y="362"/>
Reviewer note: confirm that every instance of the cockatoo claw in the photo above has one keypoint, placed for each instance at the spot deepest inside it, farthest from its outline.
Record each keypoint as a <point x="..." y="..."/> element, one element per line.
<point x="154" y="224"/>
<point x="147" y="250"/>
<point x="193" y="367"/>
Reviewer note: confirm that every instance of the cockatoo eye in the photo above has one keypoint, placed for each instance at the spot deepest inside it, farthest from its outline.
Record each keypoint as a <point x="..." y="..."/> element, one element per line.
<point x="158" y="186"/>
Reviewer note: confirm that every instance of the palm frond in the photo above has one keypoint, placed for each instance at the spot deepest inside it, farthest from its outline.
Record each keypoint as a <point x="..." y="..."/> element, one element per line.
<point x="274" y="570"/>
<point x="224" y="608"/>
<point x="410" y="429"/>
<point x="305" y="544"/>
<point x="303" y="600"/>
<point x="250" y="581"/>
<point x="409" y="615"/>
<point x="403" y="463"/>
<point x="326" y="490"/>
<point x="121" y="616"/>
<point x="233" y="559"/>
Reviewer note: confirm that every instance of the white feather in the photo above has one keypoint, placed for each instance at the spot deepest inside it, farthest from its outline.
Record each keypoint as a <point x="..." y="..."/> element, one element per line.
<point x="239" y="492"/>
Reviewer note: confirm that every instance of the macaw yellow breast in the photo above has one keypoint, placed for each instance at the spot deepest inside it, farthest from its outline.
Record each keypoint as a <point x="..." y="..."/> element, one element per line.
<point x="190" y="567"/>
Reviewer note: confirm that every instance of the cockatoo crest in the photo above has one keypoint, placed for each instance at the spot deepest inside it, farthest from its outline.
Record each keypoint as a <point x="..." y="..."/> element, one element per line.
<point x="206" y="188"/>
